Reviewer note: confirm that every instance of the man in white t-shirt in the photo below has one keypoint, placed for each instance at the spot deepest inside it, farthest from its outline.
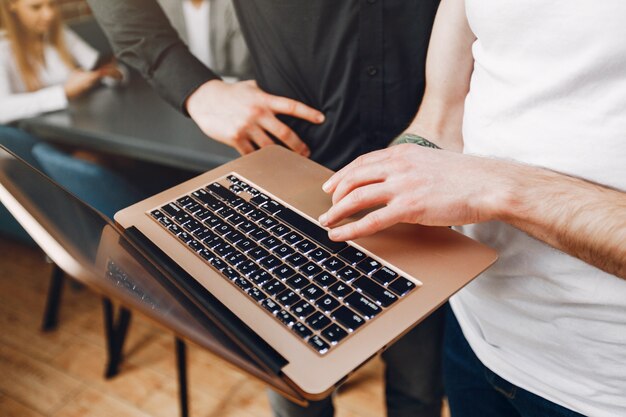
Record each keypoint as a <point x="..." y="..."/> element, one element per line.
<point x="534" y="94"/>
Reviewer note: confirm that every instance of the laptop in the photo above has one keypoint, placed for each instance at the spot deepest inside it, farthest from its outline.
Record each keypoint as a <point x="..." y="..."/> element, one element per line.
<point x="242" y="242"/>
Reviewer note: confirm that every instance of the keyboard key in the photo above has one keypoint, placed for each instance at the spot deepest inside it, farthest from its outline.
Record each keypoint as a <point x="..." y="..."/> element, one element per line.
<point x="225" y="194"/>
<point x="319" y="344"/>
<point x="236" y="219"/>
<point x="274" y="286"/>
<point x="340" y="289"/>
<point x="247" y="267"/>
<point x="247" y="227"/>
<point x="293" y="237"/>
<point x="256" y="293"/>
<point x="243" y="283"/>
<point x="270" y="262"/>
<point x="259" y="277"/>
<point x="306" y="246"/>
<point x="401" y="286"/>
<point x="363" y="305"/>
<point x="256" y="215"/>
<point x="202" y="232"/>
<point x="384" y="275"/>
<point x="319" y="255"/>
<point x="267" y="223"/>
<point x="202" y="213"/>
<point x="287" y="298"/>
<point x="235" y="258"/>
<point x="334" y="333"/>
<point x="375" y="291"/>
<point x="271" y="305"/>
<point x="209" y="200"/>
<point x="234" y="236"/>
<point x="259" y="234"/>
<point x="348" y="274"/>
<point x="165" y="221"/>
<point x="280" y="229"/>
<point x="368" y="265"/>
<point x="218" y="264"/>
<point x="302" y="309"/>
<point x="157" y="214"/>
<point x="333" y="264"/>
<point x="192" y="225"/>
<point x="312" y="292"/>
<point x="184" y="236"/>
<point x="348" y="318"/>
<point x="286" y="318"/>
<point x="172" y="209"/>
<point x="213" y="221"/>
<point x="272" y="206"/>
<point x="258" y="253"/>
<point x="327" y="303"/>
<point x="283" y="272"/>
<point x="259" y="199"/>
<point x="224" y="250"/>
<point x="185" y="201"/>
<point x="352" y="255"/>
<point x="195" y="245"/>
<point x="315" y="232"/>
<point x="283" y="251"/>
<point x="230" y="273"/>
<point x="317" y="321"/>
<point x="223" y="229"/>
<point x="226" y="212"/>
<point x="297" y="259"/>
<point x="297" y="282"/>
<point x="246" y="245"/>
<point x="324" y="279"/>
<point x="310" y="269"/>
<point x="245" y="208"/>
<point x="301" y="330"/>
<point x="206" y="254"/>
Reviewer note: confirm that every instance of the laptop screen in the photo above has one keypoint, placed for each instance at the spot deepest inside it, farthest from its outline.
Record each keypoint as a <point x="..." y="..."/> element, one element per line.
<point x="90" y="248"/>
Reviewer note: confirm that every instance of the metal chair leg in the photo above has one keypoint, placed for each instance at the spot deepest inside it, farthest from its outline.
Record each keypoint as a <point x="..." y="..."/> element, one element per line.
<point x="181" y="367"/>
<point x="51" y="312"/>
<point x="115" y="332"/>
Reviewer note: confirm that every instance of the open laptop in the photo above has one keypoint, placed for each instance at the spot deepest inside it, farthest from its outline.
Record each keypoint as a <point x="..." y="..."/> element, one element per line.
<point x="246" y="232"/>
<point x="91" y="249"/>
<point x="241" y="243"/>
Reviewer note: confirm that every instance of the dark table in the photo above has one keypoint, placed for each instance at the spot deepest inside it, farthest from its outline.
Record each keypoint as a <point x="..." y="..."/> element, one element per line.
<point x="134" y="122"/>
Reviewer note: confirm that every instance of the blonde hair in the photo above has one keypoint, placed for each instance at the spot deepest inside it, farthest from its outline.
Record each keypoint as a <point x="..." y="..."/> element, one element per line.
<point x="26" y="57"/>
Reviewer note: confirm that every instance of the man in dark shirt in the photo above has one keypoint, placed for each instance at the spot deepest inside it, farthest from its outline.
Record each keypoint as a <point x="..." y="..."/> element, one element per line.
<point x="334" y="80"/>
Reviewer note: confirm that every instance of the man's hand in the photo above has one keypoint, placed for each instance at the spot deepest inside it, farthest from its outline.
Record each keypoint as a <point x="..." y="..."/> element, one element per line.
<point x="413" y="184"/>
<point x="241" y="115"/>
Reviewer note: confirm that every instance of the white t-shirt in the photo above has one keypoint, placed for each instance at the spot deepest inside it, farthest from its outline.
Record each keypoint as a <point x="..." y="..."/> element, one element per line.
<point x="198" y="34"/>
<point x="549" y="89"/>
<point x="16" y="102"/>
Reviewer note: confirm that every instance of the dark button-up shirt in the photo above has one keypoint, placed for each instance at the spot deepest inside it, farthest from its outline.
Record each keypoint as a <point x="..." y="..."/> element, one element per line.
<point x="361" y="62"/>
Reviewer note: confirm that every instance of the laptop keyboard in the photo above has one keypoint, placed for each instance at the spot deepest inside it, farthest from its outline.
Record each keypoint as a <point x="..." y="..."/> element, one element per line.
<point x="320" y="289"/>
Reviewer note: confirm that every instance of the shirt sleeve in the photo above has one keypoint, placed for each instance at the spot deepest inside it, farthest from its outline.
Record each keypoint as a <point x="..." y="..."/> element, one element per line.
<point x="19" y="106"/>
<point x="85" y="56"/>
<point x="142" y="37"/>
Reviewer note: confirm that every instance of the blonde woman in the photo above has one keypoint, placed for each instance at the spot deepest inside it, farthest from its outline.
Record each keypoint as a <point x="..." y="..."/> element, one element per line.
<point x="43" y="64"/>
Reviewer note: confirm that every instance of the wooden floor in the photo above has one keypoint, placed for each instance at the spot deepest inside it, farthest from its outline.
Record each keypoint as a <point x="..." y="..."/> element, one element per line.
<point x="60" y="373"/>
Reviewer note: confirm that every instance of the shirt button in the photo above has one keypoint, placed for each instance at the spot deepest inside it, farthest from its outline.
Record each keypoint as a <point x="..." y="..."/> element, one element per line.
<point x="371" y="70"/>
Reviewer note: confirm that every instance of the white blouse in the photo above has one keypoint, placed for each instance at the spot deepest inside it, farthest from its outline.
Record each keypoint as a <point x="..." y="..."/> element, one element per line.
<point x="18" y="103"/>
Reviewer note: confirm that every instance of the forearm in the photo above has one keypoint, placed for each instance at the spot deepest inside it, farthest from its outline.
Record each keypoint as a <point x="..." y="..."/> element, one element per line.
<point x="580" y="218"/>
<point x="19" y="106"/>
<point x="143" y="38"/>
<point x="449" y="67"/>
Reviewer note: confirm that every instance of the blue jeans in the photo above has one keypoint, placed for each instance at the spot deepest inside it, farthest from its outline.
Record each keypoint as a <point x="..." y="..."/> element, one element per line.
<point x="413" y="378"/>
<point x="475" y="391"/>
